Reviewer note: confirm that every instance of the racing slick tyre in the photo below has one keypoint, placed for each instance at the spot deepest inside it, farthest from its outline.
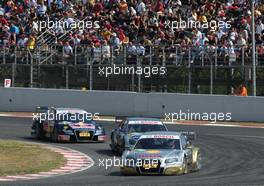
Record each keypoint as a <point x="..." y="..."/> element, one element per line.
<point x="54" y="136"/>
<point x="39" y="131"/>
<point x="198" y="163"/>
<point x="124" y="174"/>
<point x="112" y="145"/>
<point x="122" y="149"/>
<point x="185" y="166"/>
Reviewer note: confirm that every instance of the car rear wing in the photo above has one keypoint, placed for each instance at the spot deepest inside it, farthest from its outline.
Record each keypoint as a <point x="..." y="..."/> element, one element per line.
<point x="42" y="109"/>
<point x="39" y="111"/>
<point x="189" y="135"/>
<point x="119" y="119"/>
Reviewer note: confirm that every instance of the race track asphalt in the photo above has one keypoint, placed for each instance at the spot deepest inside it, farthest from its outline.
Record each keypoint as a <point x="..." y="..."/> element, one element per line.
<point x="231" y="156"/>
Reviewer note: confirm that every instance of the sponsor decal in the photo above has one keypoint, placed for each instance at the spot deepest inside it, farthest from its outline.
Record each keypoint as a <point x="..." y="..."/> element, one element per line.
<point x="82" y="125"/>
<point x="161" y="136"/>
<point x="153" y="151"/>
<point x="146" y="122"/>
<point x="64" y="138"/>
<point x="149" y="156"/>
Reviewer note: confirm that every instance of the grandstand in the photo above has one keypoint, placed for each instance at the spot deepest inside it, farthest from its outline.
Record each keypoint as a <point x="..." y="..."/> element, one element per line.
<point x="61" y="44"/>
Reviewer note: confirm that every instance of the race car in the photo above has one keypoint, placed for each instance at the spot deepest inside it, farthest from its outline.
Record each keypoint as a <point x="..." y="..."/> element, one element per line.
<point x="66" y="124"/>
<point x="130" y="129"/>
<point x="165" y="153"/>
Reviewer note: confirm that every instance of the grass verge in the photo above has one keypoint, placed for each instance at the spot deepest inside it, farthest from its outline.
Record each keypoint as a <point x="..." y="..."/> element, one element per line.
<point x="25" y="158"/>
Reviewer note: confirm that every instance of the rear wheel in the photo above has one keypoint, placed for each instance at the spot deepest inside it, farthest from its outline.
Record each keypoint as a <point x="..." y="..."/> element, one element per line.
<point x="54" y="135"/>
<point x="39" y="131"/>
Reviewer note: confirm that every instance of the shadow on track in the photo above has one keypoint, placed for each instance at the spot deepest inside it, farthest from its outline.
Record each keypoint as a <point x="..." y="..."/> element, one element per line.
<point x="106" y="152"/>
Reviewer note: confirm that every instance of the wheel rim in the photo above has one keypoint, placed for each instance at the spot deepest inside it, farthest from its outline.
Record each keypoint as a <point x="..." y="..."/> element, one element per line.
<point x="55" y="136"/>
<point x="185" y="167"/>
<point x="198" y="163"/>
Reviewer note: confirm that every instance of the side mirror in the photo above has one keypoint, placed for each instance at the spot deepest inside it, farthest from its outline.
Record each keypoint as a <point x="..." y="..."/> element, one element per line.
<point x="128" y="147"/>
<point x="188" y="144"/>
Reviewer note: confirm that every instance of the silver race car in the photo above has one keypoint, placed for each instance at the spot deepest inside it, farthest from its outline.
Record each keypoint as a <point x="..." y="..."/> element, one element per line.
<point x="130" y="129"/>
<point x="167" y="153"/>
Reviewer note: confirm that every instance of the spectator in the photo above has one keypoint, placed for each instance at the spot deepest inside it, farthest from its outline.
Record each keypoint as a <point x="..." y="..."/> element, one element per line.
<point x="241" y="90"/>
<point x="31" y="42"/>
<point x="134" y="21"/>
<point x="106" y="51"/>
<point x="67" y="49"/>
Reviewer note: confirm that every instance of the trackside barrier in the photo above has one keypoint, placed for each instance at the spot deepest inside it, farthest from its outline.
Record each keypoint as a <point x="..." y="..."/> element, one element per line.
<point x="132" y="103"/>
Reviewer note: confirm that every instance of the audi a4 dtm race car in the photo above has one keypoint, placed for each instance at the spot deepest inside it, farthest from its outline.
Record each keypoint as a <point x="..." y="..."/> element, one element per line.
<point x="130" y="129"/>
<point x="167" y="153"/>
<point x="66" y="124"/>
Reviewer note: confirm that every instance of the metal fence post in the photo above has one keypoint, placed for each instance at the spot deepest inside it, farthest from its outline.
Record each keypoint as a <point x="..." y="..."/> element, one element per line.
<point x="203" y="56"/>
<point x="125" y="54"/>
<point x="91" y="76"/>
<point x="15" y="52"/>
<point x="75" y="54"/>
<point x="133" y="82"/>
<point x="215" y="61"/>
<point x="189" y="73"/>
<point x="111" y="55"/>
<point x="63" y="62"/>
<point x="176" y="55"/>
<point x="31" y="71"/>
<point x="243" y="62"/>
<point x="189" y="79"/>
<point x="4" y="60"/>
<point x="38" y="53"/>
<point x="101" y="55"/>
<point x="13" y="74"/>
<point x="51" y="54"/>
<point x="211" y="77"/>
<point x="256" y="57"/>
<point x="163" y="56"/>
<point x="189" y="55"/>
<point x="139" y="75"/>
<point x="150" y="54"/>
<point x="67" y="77"/>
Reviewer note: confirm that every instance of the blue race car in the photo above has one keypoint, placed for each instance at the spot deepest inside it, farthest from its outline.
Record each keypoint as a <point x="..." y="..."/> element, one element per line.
<point x="130" y="129"/>
<point x="66" y="124"/>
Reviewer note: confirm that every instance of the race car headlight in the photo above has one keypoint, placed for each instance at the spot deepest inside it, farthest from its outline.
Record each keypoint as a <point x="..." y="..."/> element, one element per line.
<point x="99" y="129"/>
<point x="171" y="160"/>
<point x="66" y="128"/>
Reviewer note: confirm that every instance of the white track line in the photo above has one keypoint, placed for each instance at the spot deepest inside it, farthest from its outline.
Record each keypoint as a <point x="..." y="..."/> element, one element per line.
<point x="166" y="122"/>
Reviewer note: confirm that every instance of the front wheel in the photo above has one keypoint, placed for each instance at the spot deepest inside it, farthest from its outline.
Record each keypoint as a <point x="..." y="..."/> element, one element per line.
<point x="185" y="166"/>
<point x="198" y="164"/>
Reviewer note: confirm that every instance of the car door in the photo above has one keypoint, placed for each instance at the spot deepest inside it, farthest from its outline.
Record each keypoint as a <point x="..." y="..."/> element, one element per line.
<point x="188" y="151"/>
<point x="50" y="121"/>
<point x="120" y="133"/>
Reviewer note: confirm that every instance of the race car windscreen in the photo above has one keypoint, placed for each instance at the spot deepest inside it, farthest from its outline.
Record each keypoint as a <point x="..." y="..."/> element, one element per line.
<point x="158" y="143"/>
<point x="145" y="128"/>
<point x="74" y="117"/>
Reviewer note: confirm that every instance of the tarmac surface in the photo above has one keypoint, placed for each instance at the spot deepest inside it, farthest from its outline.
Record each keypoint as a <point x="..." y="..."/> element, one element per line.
<point x="231" y="156"/>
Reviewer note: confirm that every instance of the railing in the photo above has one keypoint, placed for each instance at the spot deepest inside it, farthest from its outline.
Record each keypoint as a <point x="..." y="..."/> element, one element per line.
<point x="211" y="70"/>
<point x="147" y="55"/>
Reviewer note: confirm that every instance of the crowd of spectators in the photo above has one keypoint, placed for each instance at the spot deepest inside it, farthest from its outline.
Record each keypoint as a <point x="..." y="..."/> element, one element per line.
<point x="134" y="23"/>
